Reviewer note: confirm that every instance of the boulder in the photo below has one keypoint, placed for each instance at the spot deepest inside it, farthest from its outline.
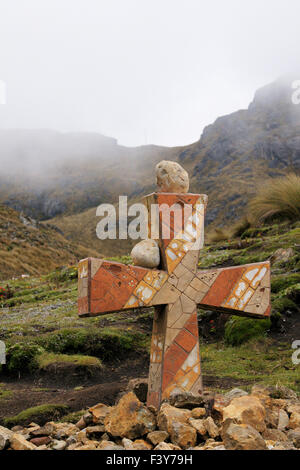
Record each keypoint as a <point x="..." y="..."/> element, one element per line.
<point x="99" y="413"/>
<point x="182" y="399"/>
<point x="283" y="420"/>
<point x="274" y="435"/>
<point x="166" y="446"/>
<point x="156" y="437"/>
<point x="171" y="177"/>
<point x="140" y="444"/>
<point x="40" y="441"/>
<point x="146" y="254"/>
<point x="246" y="410"/>
<point x="294" y="436"/>
<point x="18" y="442"/>
<point x="198" y="413"/>
<point x="211" y="427"/>
<point x="235" y="393"/>
<point x="109" y="445"/>
<point x="175" y="422"/>
<point x="129" y="418"/>
<point x="294" y="421"/>
<point x="199" y="425"/>
<point x="241" y="437"/>
<point x="139" y="387"/>
<point x="5" y="435"/>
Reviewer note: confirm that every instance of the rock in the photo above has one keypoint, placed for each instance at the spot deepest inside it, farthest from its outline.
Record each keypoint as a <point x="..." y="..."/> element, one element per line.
<point x="211" y="444"/>
<point x="294" y="421"/>
<point x="282" y="392"/>
<point x="40" y="441"/>
<point x="166" y="446"/>
<point x="241" y="437"/>
<point x="274" y="435"/>
<point x="283" y="446"/>
<point x="199" y="425"/>
<point x="64" y="430"/>
<point x="235" y="393"/>
<point x="220" y="402"/>
<point x="246" y="410"/>
<point x="81" y="424"/>
<point x="294" y="436"/>
<point x="89" y="446"/>
<point x="18" y="442"/>
<point x="109" y="445"/>
<point x="283" y="420"/>
<point x="198" y="413"/>
<point x="282" y="255"/>
<point x="157" y="436"/>
<point x="95" y="431"/>
<point x="140" y="444"/>
<point x="58" y="445"/>
<point x="139" y="387"/>
<point x="129" y="418"/>
<point x="98" y="413"/>
<point x="45" y="430"/>
<point x="5" y="435"/>
<point x="127" y="444"/>
<point x="88" y="417"/>
<point x="146" y="254"/>
<point x="175" y="422"/>
<point x="171" y="177"/>
<point x="260" y="391"/>
<point x="211" y="427"/>
<point x="182" y="399"/>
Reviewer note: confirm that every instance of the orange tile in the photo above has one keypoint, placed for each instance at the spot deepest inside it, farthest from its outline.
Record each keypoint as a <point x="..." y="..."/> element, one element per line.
<point x="174" y="358"/>
<point x="222" y="286"/>
<point x="192" y="325"/>
<point x="186" y="340"/>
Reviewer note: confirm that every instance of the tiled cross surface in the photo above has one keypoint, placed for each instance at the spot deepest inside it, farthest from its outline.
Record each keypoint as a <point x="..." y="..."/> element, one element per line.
<point x="176" y="290"/>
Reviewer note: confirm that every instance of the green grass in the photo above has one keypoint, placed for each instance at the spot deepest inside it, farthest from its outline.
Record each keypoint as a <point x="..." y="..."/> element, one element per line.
<point x="4" y="393"/>
<point x="38" y="414"/>
<point x="47" y="359"/>
<point x="258" y="361"/>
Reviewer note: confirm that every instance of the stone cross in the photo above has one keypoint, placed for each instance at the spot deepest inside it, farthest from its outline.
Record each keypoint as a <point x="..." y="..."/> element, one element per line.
<point x="175" y="291"/>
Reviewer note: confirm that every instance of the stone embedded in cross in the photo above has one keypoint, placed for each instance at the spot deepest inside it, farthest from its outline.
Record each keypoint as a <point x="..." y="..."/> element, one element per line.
<point x="175" y="291"/>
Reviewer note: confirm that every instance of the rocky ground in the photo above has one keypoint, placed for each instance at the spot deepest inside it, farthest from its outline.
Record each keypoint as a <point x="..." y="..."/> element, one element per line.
<point x="266" y="419"/>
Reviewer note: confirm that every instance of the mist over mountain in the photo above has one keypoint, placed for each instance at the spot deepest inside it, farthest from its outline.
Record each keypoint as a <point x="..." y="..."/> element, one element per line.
<point x="49" y="174"/>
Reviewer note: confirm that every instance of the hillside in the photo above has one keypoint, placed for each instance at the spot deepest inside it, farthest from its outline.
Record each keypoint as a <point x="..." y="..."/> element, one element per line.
<point x="27" y="247"/>
<point x="56" y="357"/>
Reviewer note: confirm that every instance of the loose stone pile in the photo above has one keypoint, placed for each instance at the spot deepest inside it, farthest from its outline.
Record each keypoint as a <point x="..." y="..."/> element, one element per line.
<point x="266" y="419"/>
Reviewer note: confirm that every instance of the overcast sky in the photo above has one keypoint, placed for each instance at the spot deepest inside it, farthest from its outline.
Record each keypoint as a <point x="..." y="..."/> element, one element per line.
<point x="143" y="71"/>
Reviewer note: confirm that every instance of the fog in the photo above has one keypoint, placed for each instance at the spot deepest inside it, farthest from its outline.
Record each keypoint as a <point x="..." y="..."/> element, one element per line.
<point x="141" y="71"/>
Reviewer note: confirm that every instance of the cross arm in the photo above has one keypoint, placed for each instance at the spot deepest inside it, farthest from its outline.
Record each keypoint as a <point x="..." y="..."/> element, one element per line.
<point x="106" y="286"/>
<point x="240" y="290"/>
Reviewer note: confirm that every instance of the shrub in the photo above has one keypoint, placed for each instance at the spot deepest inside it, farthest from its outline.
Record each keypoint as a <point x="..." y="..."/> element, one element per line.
<point x="278" y="199"/>
<point x="105" y="344"/>
<point x="239" y="330"/>
<point x="22" y="357"/>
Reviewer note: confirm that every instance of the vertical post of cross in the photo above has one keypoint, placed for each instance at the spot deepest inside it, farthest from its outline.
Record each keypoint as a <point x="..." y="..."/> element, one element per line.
<point x="175" y="357"/>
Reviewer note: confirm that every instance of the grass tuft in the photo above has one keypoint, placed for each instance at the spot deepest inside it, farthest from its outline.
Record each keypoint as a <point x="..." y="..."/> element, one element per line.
<point x="278" y="199"/>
